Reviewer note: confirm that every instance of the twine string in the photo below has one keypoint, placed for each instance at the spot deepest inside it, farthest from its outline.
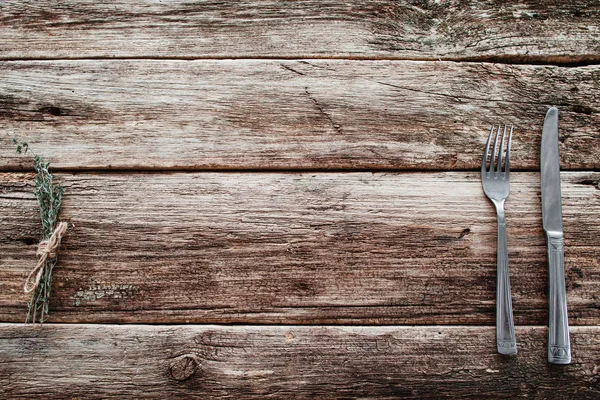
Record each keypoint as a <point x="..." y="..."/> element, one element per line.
<point x="47" y="249"/>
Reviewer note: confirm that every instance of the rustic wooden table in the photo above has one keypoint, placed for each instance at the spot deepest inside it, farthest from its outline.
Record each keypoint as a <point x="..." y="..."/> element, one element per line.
<point x="282" y="199"/>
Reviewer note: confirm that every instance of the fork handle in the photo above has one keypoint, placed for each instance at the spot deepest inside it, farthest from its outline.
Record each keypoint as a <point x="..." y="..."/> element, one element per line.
<point x="559" y="347"/>
<point x="505" y="329"/>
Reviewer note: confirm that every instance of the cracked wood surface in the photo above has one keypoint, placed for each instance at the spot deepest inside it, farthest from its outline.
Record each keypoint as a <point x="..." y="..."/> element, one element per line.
<point x="325" y="362"/>
<point x="150" y="85"/>
<point x="352" y="248"/>
<point x="530" y="31"/>
<point x="310" y="114"/>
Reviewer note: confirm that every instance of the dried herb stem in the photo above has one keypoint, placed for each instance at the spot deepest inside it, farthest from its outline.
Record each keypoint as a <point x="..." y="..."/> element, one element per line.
<point x="49" y="196"/>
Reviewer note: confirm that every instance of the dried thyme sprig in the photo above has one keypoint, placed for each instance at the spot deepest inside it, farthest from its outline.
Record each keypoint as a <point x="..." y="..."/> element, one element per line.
<point x="49" y="196"/>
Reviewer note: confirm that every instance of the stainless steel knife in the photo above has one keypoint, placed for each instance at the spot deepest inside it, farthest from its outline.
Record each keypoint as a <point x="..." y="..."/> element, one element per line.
<point x="559" y="347"/>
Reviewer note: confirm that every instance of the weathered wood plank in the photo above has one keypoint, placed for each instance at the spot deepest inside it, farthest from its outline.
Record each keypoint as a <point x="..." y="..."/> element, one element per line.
<point x="241" y="362"/>
<point x="524" y="31"/>
<point x="291" y="114"/>
<point x="356" y="248"/>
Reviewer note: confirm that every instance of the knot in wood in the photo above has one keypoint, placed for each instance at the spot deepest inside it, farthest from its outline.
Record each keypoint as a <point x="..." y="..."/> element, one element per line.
<point x="183" y="367"/>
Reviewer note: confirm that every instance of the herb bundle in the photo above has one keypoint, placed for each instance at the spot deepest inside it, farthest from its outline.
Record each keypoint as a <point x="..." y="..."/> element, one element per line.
<point x="49" y="196"/>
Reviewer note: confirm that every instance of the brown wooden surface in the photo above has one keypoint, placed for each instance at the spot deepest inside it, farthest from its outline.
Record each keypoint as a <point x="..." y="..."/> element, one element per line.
<point x="297" y="248"/>
<point x="517" y="31"/>
<point x="257" y="114"/>
<point x="271" y="163"/>
<point x="241" y="362"/>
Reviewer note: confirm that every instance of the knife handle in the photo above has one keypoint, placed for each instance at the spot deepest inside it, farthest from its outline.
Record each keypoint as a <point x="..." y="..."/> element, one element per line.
<point x="506" y="342"/>
<point x="559" y="347"/>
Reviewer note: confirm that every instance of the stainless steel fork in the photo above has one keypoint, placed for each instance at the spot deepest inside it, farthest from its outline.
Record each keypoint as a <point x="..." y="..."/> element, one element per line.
<point x="496" y="185"/>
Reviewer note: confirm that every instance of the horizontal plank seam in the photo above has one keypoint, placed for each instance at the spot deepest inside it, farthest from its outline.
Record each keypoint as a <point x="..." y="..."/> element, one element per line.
<point x="160" y="170"/>
<point x="582" y="61"/>
<point x="258" y="324"/>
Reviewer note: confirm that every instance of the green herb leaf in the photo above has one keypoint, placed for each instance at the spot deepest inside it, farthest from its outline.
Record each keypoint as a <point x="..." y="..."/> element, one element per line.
<point x="49" y="196"/>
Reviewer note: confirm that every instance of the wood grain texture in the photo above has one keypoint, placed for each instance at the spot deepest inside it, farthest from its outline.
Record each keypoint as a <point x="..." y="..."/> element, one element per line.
<point x="519" y="31"/>
<point x="356" y="248"/>
<point x="282" y="362"/>
<point x="251" y="114"/>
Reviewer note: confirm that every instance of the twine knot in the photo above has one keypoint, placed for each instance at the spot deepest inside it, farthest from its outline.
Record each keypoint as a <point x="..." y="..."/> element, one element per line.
<point x="47" y="249"/>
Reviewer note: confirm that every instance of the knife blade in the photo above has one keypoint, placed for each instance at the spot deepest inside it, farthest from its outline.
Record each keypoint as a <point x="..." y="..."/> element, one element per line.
<point x="559" y="347"/>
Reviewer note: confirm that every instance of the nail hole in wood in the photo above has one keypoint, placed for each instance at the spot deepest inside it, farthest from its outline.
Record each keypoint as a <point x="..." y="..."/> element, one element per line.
<point x="51" y="110"/>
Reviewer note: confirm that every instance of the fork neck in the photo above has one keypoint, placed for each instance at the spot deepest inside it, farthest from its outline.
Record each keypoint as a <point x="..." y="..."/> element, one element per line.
<point x="499" y="210"/>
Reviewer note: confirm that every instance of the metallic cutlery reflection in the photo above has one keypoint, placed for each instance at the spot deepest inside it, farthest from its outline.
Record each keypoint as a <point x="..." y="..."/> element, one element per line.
<point x="559" y="347"/>
<point x="495" y="181"/>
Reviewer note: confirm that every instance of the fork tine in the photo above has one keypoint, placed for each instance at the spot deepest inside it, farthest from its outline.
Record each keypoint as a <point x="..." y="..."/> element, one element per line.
<point x="494" y="151"/>
<point x="486" y="151"/>
<point x="507" y="169"/>
<point x="499" y="169"/>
